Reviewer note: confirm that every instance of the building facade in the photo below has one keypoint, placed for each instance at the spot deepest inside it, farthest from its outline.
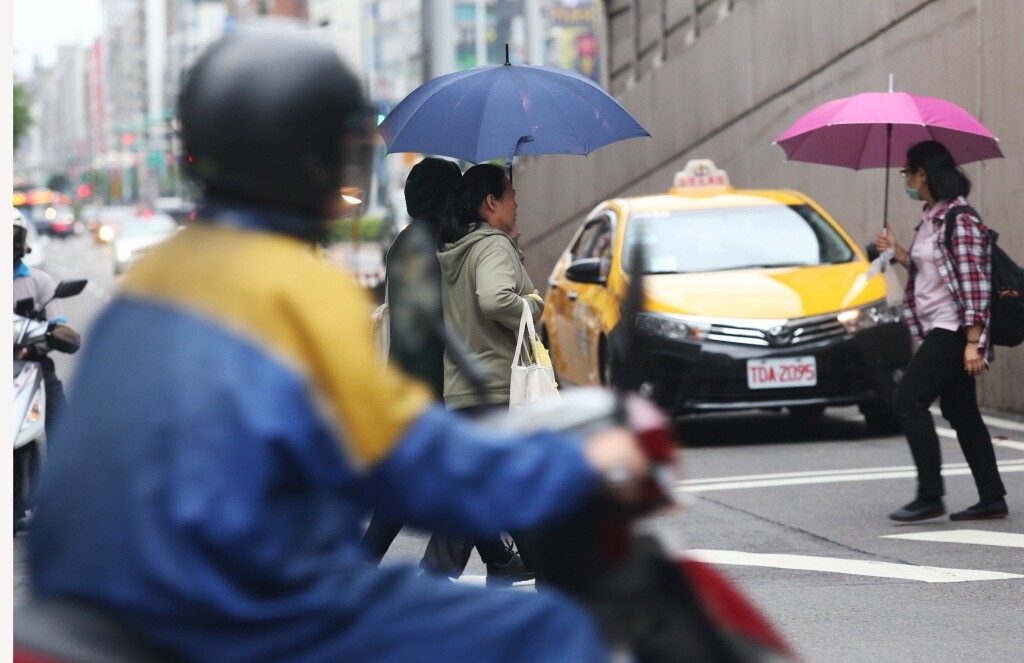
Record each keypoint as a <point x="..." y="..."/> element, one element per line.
<point x="722" y="79"/>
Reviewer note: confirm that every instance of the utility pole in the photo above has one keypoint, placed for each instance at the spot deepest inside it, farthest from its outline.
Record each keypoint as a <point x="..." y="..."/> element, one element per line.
<point x="480" y="16"/>
<point x="439" y="37"/>
<point x="534" y="32"/>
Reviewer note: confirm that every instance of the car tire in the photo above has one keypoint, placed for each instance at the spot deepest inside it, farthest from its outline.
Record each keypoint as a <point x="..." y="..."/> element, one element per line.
<point x="806" y="411"/>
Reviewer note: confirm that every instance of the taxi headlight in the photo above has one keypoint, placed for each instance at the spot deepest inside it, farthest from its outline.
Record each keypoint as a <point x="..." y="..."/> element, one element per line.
<point x="675" y="329"/>
<point x="866" y="317"/>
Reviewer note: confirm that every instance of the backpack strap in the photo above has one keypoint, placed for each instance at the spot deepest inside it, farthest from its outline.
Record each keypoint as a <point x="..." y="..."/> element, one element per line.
<point x="950" y="222"/>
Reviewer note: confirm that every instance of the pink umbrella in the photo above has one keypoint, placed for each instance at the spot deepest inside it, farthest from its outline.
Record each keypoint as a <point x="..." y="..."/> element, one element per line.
<point x="854" y="131"/>
<point x="875" y="130"/>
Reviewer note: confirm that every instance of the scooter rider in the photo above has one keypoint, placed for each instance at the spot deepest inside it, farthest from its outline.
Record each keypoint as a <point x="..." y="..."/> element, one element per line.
<point x="35" y="284"/>
<point x="213" y="483"/>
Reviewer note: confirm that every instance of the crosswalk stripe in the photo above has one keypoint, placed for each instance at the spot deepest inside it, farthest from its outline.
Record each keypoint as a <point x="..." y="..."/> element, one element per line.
<point x="858" y="567"/>
<point x="973" y="536"/>
<point x="834" y="476"/>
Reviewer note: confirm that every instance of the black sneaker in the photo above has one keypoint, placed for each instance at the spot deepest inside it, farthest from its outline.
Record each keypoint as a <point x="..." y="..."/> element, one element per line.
<point x="922" y="508"/>
<point x="989" y="509"/>
<point x="503" y="575"/>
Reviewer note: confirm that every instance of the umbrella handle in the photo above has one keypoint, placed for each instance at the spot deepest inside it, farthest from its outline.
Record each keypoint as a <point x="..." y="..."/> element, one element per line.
<point x="508" y="162"/>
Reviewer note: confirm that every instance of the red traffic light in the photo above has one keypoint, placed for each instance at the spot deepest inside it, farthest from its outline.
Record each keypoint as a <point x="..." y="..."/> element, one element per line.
<point x="84" y="191"/>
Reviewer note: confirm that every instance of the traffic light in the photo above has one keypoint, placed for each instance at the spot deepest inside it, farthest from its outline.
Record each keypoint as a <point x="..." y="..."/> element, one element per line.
<point x="84" y="191"/>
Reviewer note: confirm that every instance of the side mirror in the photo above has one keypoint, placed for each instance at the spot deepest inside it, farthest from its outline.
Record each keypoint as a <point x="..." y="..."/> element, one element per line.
<point x="871" y="250"/>
<point x="69" y="288"/>
<point x="23" y="307"/>
<point x="587" y="270"/>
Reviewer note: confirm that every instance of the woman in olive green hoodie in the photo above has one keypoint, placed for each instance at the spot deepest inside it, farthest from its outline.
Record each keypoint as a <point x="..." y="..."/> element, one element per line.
<point x="484" y="286"/>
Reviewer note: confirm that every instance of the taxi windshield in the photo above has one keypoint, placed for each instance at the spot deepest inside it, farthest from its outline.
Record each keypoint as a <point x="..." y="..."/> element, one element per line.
<point x="726" y="238"/>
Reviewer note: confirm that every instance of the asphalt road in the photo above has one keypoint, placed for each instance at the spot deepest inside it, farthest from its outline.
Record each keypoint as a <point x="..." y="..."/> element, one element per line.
<point x="794" y="511"/>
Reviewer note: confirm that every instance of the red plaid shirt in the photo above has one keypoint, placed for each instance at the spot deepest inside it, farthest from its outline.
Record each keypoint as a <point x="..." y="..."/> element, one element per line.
<point x="967" y="272"/>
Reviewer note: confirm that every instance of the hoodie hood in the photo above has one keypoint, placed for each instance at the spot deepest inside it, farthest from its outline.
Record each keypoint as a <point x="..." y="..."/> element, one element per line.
<point x="453" y="256"/>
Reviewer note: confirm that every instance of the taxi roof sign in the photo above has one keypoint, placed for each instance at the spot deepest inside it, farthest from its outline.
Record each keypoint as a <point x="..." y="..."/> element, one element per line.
<point x="700" y="174"/>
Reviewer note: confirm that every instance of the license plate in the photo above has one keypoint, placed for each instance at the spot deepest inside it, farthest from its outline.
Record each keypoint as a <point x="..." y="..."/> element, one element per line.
<point x="780" y="373"/>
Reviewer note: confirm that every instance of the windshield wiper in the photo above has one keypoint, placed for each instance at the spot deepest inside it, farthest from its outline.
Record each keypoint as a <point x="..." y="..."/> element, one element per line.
<point x="763" y="266"/>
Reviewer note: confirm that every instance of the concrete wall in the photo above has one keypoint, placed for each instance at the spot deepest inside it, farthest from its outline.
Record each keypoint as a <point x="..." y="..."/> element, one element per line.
<point x="724" y="81"/>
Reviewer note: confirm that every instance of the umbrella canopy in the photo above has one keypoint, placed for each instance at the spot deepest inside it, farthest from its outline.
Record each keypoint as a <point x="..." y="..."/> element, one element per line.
<point x="855" y="132"/>
<point x="501" y="111"/>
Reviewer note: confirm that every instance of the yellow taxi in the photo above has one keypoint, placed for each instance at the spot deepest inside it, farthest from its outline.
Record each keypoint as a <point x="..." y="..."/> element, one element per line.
<point x="752" y="299"/>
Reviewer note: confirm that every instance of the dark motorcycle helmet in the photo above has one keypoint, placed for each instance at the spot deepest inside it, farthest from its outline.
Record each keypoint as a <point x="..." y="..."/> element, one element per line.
<point x="273" y="117"/>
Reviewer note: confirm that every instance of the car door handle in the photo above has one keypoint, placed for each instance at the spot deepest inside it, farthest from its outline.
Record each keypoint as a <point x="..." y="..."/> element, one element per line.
<point x="573" y="296"/>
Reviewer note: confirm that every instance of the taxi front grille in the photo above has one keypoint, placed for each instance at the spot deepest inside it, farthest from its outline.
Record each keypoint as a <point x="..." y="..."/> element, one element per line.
<point x="786" y="334"/>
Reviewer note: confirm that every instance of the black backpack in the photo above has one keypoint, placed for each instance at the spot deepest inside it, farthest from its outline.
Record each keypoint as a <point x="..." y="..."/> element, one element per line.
<point x="1007" y="306"/>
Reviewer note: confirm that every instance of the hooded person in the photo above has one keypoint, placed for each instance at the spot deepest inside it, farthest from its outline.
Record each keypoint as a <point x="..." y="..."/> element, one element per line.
<point x="414" y="275"/>
<point x="485" y="285"/>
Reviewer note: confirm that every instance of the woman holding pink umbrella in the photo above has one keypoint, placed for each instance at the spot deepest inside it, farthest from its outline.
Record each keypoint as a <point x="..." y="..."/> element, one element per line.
<point x="946" y="304"/>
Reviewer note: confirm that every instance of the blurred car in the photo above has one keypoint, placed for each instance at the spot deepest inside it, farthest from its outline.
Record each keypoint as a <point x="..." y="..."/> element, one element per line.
<point x="108" y="222"/>
<point x="137" y="235"/>
<point x="178" y="208"/>
<point x="753" y="299"/>
<point x="56" y="221"/>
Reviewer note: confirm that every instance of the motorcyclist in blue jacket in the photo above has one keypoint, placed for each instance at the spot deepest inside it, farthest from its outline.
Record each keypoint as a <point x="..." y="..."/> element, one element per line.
<point x="231" y="426"/>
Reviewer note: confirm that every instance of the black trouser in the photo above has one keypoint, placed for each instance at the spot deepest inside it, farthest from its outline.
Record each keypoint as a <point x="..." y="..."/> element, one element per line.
<point x="380" y="533"/>
<point x="937" y="371"/>
<point x="441" y="552"/>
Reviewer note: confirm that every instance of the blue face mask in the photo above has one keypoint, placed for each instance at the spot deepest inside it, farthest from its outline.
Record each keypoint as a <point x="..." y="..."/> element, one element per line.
<point x="912" y="193"/>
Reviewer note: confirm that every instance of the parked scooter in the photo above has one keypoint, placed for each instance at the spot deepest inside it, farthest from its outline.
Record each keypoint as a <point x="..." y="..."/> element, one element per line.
<point x="33" y="337"/>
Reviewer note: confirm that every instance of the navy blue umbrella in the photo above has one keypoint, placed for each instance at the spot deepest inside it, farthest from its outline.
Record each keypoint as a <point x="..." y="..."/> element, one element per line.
<point x="501" y="111"/>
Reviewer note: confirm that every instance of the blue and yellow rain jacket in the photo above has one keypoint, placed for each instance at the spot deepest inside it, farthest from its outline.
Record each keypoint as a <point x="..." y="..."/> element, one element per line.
<point x="230" y="428"/>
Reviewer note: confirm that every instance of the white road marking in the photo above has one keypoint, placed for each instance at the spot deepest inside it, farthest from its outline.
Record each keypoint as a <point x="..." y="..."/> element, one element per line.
<point x="1009" y="444"/>
<point x="856" y="567"/>
<point x="974" y="536"/>
<point x="481" y="581"/>
<point x="830" y="476"/>
<point x="991" y="420"/>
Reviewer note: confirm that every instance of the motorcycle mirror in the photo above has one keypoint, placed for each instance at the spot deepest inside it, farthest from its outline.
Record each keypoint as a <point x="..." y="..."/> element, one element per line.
<point x="69" y="288"/>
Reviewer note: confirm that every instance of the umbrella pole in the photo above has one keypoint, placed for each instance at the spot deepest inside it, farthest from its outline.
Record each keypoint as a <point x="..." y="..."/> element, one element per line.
<point x="885" y="209"/>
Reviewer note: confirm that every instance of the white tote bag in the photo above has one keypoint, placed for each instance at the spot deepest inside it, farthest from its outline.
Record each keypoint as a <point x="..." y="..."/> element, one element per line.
<point x="531" y="381"/>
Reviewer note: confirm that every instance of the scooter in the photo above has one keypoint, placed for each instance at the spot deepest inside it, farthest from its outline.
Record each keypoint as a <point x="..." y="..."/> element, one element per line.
<point x="35" y="336"/>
